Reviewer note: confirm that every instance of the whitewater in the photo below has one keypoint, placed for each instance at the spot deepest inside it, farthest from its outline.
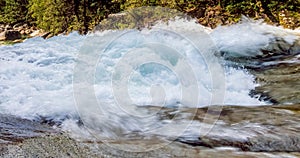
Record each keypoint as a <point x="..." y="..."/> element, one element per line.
<point x="37" y="76"/>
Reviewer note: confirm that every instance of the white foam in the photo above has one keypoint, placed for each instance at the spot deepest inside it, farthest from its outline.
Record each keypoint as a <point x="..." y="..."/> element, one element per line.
<point x="248" y="38"/>
<point x="36" y="75"/>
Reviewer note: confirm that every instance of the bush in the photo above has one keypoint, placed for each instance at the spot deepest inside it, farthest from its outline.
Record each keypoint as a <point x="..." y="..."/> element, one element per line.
<point x="13" y="11"/>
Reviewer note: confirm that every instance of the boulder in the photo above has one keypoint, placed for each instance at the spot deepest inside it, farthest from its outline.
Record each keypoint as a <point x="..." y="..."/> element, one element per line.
<point x="27" y="31"/>
<point x="17" y="25"/>
<point x="25" y="26"/>
<point x="2" y="36"/>
<point x="35" y="33"/>
<point x="46" y="35"/>
<point x="8" y="27"/>
<point x="2" y="27"/>
<point x="22" y="32"/>
<point x="10" y="35"/>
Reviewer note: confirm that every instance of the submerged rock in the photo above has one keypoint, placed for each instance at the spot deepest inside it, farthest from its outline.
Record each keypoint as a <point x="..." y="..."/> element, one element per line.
<point x="253" y="43"/>
<point x="262" y="128"/>
<point x="267" y="131"/>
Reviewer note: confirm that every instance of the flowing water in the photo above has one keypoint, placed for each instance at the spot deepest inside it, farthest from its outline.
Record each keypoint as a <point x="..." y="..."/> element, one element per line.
<point x="258" y="63"/>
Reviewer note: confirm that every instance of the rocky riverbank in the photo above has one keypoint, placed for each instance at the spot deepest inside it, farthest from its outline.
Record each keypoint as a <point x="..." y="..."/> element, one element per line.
<point x="19" y="32"/>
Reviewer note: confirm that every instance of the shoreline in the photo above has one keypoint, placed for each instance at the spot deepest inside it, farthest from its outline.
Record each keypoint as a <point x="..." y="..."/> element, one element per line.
<point x="11" y="34"/>
<point x="21" y="31"/>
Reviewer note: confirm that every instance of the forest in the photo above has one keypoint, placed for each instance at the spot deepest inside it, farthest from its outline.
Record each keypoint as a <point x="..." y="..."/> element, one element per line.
<point x="63" y="16"/>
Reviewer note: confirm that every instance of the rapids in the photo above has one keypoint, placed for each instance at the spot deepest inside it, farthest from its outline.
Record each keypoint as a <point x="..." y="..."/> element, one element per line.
<point x="38" y="77"/>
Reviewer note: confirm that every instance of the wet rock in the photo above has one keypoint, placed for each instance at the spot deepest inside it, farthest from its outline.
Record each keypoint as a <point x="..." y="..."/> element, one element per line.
<point x="296" y="45"/>
<point x="14" y="129"/>
<point x="266" y="131"/>
<point x="287" y="143"/>
<point x="265" y="128"/>
<point x="48" y="36"/>
<point x="10" y="35"/>
<point x="279" y="83"/>
<point x="276" y="43"/>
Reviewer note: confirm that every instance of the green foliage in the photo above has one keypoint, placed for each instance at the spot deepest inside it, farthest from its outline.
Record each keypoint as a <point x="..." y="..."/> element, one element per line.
<point x="13" y="11"/>
<point x="52" y="15"/>
<point x="270" y="10"/>
<point x="60" y="16"/>
<point x="96" y="11"/>
<point x="64" y="15"/>
<point x="244" y="7"/>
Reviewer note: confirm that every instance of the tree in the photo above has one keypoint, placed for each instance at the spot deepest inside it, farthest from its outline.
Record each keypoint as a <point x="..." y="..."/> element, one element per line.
<point x="60" y="16"/>
<point x="56" y="16"/>
<point x="13" y="11"/>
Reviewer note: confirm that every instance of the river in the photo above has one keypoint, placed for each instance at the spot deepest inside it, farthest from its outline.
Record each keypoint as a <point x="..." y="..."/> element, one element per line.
<point x="234" y="89"/>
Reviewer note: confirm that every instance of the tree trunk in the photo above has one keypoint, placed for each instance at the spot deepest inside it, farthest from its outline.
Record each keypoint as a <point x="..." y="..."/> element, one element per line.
<point x="85" y="18"/>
